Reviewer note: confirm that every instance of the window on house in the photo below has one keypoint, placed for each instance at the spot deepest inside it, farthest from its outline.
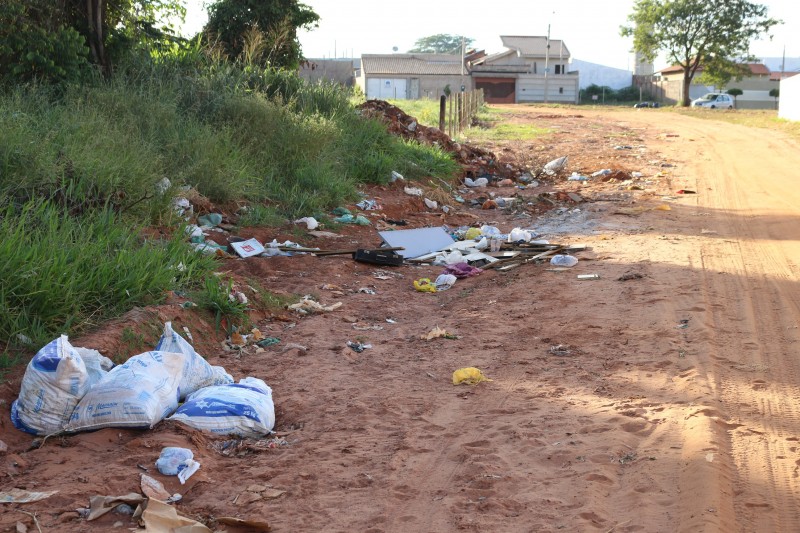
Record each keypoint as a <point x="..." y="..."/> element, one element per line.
<point x="558" y="69"/>
<point x="560" y="90"/>
<point x="534" y="67"/>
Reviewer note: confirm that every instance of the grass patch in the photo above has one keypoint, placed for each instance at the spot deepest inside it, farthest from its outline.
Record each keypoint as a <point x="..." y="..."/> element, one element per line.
<point x="505" y="132"/>
<point x="426" y="111"/>
<point x="217" y="296"/>
<point x="60" y="274"/>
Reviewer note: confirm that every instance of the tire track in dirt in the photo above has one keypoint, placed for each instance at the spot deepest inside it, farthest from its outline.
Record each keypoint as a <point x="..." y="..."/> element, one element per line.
<point x="753" y="315"/>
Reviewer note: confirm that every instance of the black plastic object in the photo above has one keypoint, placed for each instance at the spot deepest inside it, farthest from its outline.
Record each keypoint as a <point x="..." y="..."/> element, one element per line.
<point x="377" y="257"/>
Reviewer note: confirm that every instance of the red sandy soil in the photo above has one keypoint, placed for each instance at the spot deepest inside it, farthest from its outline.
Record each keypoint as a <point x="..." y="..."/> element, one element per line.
<point x="669" y="406"/>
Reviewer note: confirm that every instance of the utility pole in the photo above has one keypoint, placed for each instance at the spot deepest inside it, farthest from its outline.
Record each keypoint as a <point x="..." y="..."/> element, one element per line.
<point x="546" y="63"/>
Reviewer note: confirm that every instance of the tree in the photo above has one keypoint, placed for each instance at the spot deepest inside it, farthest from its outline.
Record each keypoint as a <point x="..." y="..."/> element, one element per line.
<point x="695" y="32"/>
<point x="46" y="39"/>
<point x="775" y="93"/>
<point x="735" y="91"/>
<point x="261" y="31"/>
<point x="441" y="43"/>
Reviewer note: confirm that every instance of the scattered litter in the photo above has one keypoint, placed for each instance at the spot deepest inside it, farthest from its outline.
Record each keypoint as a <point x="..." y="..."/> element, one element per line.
<point x="417" y="242"/>
<point x="555" y="165"/>
<point x="396" y="176"/>
<point x="325" y="234"/>
<point x="210" y="220"/>
<point x="368" y="205"/>
<point x="412" y="191"/>
<point x="462" y="270"/>
<point x="378" y="257"/>
<point x="158" y="516"/>
<point x="391" y="321"/>
<point x="358" y="347"/>
<point x="444" y="282"/>
<point x="248" y="248"/>
<point x="175" y="461"/>
<point x="294" y="346"/>
<point x="560" y="349"/>
<point x="23" y="496"/>
<point x="469" y="376"/>
<point x="431" y="204"/>
<point x="684" y="323"/>
<point x="366" y="290"/>
<point x="438" y="332"/>
<point x="268" y="341"/>
<point x="629" y="276"/>
<point x="588" y="276"/>
<point x="623" y="147"/>
<point x="472" y="234"/>
<point x="100" y="505"/>
<point x="480" y="182"/>
<point x="424" y="285"/>
<point x="577" y="177"/>
<point x="359" y="220"/>
<point x="153" y="488"/>
<point x="307" y="306"/>
<point x="561" y="260"/>
<point x="685" y="191"/>
<point x="310" y="222"/>
<point x="603" y="172"/>
<point x="244" y="408"/>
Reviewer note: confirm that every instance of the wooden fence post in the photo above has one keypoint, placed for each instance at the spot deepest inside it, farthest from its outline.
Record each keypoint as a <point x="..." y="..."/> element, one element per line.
<point x="442" y="104"/>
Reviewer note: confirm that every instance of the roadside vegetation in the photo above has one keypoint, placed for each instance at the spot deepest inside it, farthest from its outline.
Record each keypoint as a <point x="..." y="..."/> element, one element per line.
<point x="90" y="159"/>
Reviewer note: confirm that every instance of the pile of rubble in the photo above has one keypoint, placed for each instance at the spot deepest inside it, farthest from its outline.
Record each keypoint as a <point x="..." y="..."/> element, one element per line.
<point x="477" y="162"/>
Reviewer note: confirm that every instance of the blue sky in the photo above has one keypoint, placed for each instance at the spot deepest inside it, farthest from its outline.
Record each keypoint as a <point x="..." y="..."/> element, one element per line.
<point x="589" y="28"/>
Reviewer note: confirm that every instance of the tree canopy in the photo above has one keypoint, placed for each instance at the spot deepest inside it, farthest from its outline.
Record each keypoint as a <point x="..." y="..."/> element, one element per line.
<point x="696" y="32"/>
<point x="42" y="39"/>
<point x="261" y="31"/>
<point x="441" y="43"/>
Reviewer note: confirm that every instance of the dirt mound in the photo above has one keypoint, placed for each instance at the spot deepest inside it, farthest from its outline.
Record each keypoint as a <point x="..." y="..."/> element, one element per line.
<point x="476" y="161"/>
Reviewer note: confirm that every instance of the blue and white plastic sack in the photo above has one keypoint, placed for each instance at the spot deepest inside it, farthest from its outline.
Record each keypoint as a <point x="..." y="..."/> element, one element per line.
<point x="245" y="409"/>
<point x="136" y="394"/>
<point x="197" y="373"/>
<point x="54" y="382"/>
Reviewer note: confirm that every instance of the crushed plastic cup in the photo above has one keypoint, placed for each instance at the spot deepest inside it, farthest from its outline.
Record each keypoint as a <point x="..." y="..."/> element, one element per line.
<point x="563" y="260"/>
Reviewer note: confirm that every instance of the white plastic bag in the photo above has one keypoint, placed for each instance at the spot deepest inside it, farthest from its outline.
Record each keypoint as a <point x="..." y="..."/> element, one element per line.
<point x="243" y="409"/>
<point x="179" y="462"/>
<point x="54" y="382"/>
<point x="138" y="393"/>
<point x="563" y="260"/>
<point x="197" y="373"/>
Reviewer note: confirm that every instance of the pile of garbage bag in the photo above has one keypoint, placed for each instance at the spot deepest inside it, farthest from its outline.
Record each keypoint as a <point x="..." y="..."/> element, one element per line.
<point x="68" y="389"/>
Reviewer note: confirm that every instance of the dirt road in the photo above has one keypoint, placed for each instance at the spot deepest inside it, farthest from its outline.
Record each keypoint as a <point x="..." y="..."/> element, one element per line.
<point x="661" y="397"/>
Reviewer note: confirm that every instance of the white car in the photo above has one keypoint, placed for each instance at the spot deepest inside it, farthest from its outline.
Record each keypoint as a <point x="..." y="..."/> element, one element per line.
<point x="714" y="101"/>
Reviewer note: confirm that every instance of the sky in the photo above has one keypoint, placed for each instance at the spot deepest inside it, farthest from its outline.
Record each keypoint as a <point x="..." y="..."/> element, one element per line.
<point x="589" y="28"/>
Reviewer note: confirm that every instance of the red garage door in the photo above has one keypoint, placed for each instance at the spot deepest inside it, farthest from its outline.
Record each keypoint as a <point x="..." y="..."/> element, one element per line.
<point x="497" y="90"/>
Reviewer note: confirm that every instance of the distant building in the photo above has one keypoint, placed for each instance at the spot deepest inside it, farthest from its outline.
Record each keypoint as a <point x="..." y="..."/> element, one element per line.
<point x="411" y="76"/>
<point x="531" y="69"/>
<point x="755" y="85"/>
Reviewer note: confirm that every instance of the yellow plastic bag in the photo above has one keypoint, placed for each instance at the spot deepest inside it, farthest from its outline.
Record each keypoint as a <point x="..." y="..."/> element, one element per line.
<point x="469" y="375"/>
<point x="424" y="285"/>
<point x="472" y="233"/>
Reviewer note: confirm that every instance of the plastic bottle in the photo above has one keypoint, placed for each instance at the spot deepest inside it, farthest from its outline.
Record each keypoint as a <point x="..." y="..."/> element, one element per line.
<point x="563" y="260"/>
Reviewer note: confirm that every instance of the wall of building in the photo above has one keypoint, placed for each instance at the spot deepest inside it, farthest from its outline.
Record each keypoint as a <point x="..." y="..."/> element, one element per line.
<point x="411" y="87"/>
<point x="337" y="70"/>
<point x="789" y="102"/>
<point x="531" y="88"/>
<point x="594" y="74"/>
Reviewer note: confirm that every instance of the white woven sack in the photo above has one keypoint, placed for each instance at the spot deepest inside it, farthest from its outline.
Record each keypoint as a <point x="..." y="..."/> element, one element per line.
<point x="197" y="373"/>
<point x="54" y="382"/>
<point x="138" y="393"/>
<point x="245" y="409"/>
